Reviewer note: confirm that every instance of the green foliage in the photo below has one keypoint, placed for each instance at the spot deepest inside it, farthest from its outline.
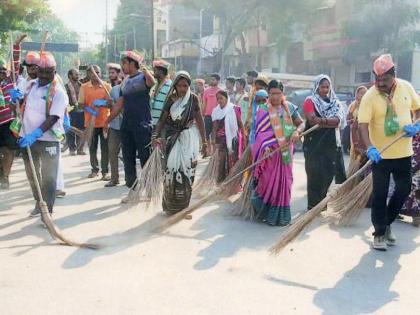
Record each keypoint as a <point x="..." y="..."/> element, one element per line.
<point x="387" y="26"/>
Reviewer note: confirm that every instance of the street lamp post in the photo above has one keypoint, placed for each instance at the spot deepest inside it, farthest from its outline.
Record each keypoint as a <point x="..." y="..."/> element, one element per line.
<point x="152" y="17"/>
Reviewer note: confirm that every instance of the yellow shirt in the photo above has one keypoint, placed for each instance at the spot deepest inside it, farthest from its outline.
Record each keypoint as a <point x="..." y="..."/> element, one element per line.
<point x="372" y="111"/>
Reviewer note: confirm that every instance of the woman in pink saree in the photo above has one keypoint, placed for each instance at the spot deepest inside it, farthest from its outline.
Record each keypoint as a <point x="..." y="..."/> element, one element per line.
<point x="277" y="125"/>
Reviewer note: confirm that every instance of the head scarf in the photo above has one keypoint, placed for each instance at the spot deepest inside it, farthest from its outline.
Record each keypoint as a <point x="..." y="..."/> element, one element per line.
<point x="115" y="66"/>
<point x="134" y="55"/>
<point x="330" y="107"/>
<point x="46" y="60"/>
<point x="161" y="64"/>
<point x="32" y="58"/>
<point x="262" y="93"/>
<point x="383" y="64"/>
<point x="231" y="122"/>
<point x="177" y="108"/>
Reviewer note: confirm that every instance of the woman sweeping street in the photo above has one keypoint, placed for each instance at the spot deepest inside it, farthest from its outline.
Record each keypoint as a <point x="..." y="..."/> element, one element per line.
<point x="183" y="127"/>
<point x="322" y="148"/>
<point x="277" y="125"/>
<point x="227" y="126"/>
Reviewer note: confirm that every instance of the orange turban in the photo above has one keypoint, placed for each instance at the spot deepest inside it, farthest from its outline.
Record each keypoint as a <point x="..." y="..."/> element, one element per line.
<point x="46" y="60"/>
<point x="383" y="64"/>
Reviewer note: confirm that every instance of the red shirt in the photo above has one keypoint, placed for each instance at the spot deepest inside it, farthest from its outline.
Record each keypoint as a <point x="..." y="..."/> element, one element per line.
<point x="210" y="100"/>
<point x="308" y="106"/>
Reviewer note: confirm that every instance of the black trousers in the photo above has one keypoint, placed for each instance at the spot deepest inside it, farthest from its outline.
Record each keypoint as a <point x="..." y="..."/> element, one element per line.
<point x="135" y="143"/>
<point x="77" y="120"/>
<point x="45" y="155"/>
<point x="321" y="167"/>
<point x="208" y="125"/>
<point x="383" y="213"/>
<point x="98" y="134"/>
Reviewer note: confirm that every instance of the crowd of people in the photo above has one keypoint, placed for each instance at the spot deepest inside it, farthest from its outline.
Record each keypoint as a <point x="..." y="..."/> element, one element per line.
<point x="138" y="109"/>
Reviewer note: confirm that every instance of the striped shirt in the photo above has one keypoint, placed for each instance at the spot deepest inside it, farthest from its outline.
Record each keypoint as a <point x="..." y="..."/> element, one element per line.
<point x="158" y="100"/>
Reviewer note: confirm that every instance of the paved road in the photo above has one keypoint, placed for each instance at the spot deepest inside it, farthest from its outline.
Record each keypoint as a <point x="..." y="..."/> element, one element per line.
<point x="213" y="264"/>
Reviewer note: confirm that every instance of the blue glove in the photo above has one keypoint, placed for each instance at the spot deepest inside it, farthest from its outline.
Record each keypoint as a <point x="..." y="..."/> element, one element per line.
<point x="15" y="95"/>
<point x="91" y="111"/>
<point x="100" y="103"/>
<point x="66" y="123"/>
<point x="373" y="154"/>
<point x="30" y="138"/>
<point x="411" y="130"/>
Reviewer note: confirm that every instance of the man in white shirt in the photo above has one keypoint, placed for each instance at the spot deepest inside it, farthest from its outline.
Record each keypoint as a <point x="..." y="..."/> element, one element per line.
<point x="42" y="129"/>
<point x="30" y="62"/>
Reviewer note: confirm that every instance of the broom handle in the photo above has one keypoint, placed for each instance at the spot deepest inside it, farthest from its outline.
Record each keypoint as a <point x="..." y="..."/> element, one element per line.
<point x="303" y="134"/>
<point x="44" y="40"/>
<point x="369" y="162"/>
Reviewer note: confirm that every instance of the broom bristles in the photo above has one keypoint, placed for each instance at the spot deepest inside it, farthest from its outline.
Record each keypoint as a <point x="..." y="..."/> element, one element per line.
<point x="354" y="166"/>
<point x="243" y="207"/>
<point x="55" y="231"/>
<point x="238" y="168"/>
<point x="208" y="181"/>
<point x="296" y="228"/>
<point x="89" y="131"/>
<point x="149" y="186"/>
<point x="346" y="209"/>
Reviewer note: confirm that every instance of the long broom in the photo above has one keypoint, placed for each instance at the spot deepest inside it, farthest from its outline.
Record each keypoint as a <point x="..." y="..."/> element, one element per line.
<point x="345" y="210"/>
<point x="208" y="180"/>
<point x="296" y="228"/>
<point x="45" y="215"/>
<point x="178" y="217"/>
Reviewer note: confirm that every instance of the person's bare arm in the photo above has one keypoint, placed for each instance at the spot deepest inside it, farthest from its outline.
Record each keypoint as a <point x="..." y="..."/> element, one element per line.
<point x="161" y="123"/>
<point x="49" y="122"/>
<point x="364" y="133"/>
<point x="200" y="125"/>
<point x="150" y="80"/>
<point x="116" y="109"/>
<point x="322" y="122"/>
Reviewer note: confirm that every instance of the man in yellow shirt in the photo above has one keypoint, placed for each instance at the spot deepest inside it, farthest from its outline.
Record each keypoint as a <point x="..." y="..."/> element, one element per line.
<point x="386" y="112"/>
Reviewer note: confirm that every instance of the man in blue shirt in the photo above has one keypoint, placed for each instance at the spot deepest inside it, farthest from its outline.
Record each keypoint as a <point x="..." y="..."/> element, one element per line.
<point x="136" y="126"/>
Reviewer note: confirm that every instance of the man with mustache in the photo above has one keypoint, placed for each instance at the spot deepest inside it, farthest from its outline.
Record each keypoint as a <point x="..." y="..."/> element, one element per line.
<point x="386" y="111"/>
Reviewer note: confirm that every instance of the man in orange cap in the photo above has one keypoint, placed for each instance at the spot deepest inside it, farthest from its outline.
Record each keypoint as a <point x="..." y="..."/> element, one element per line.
<point x="42" y="129"/>
<point x="30" y="62"/>
<point x="161" y="89"/>
<point x="136" y="126"/>
<point x="385" y="113"/>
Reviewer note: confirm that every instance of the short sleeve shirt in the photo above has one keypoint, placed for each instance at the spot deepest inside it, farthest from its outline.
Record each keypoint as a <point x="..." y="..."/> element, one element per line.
<point x="36" y="110"/>
<point x="372" y="111"/>
<point x="89" y="93"/>
<point x="136" y="98"/>
<point x="210" y="100"/>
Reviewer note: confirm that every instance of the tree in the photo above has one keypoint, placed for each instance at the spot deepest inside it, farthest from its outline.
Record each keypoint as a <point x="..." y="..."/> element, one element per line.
<point x="388" y="26"/>
<point x="19" y="15"/>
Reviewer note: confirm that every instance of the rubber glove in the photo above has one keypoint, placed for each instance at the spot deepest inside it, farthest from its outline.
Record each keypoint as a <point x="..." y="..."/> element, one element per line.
<point x="30" y="138"/>
<point x="66" y="123"/>
<point x="15" y="95"/>
<point x="373" y="154"/>
<point x="411" y="130"/>
<point x="91" y="111"/>
<point x="100" y="103"/>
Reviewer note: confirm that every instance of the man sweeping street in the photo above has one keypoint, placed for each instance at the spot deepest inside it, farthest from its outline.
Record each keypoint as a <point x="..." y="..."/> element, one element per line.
<point x="136" y="127"/>
<point x="43" y="113"/>
<point x="386" y="111"/>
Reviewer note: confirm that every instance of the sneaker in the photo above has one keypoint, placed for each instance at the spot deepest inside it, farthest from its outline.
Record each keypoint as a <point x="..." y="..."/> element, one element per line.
<point x="379" y="243"/>
<point x="93" y="175"/>
<point x="112" y="183"/>
<point x="35" y="213"/>
<point x="105" y="177"/>
<point x="60" y="194"/>
<point x="390" y="237"/>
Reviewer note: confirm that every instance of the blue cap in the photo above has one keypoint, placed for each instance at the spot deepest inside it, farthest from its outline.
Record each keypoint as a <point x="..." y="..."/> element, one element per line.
<point x="262" y="93"/>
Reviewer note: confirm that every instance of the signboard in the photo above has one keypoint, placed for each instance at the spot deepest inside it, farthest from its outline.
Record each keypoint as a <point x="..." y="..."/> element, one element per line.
<point x="52" y="47"/>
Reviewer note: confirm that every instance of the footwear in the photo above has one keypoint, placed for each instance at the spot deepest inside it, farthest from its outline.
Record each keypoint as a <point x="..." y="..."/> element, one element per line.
<point x="390" y="238"/>
<point x="105" y="177"/>
<point x="379" y="243"/>
<point x="81" y="153"/>
<point x="5" y="183"/>
<point x="112" y="183"/>
<point x="72" y="153"/>
<point x="36" y="212"/>
<point x="416" y="221"/>
<point x="60" y="194"/>
<point x="93" y="175"/>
